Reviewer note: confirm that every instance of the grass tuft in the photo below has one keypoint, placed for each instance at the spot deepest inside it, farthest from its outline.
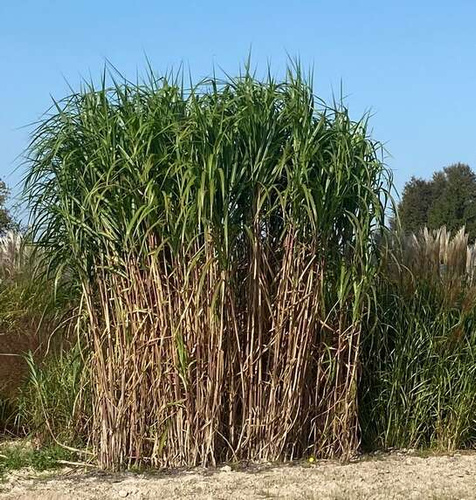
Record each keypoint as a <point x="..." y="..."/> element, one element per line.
<point x="21" y="455"/>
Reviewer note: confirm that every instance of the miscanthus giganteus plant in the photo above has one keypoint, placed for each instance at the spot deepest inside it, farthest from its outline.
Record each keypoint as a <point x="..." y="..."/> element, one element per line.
<point x="222" y="236"/>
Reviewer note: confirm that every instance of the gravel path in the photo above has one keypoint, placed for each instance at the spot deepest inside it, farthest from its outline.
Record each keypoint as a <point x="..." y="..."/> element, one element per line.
<point x="384" y="477"/>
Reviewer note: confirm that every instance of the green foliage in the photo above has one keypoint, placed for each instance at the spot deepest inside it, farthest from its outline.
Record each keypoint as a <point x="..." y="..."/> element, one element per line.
<point x="417" y="199"/>
<point x="449" y="199"/>
<point x="19" y="455"/>
<point x="54" y="404"/>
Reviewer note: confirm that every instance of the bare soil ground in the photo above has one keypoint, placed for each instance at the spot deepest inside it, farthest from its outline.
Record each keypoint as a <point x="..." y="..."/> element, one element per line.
<point x="382" y="477"/>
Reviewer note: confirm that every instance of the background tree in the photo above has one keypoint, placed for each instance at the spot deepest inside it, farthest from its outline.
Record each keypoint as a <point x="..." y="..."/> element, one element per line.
<point x="449" y="199"/>
<point x="6" y="221"/>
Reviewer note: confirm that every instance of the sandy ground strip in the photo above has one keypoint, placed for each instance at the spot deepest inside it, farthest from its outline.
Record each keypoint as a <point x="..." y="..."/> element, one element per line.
<point x="383" y="477"/>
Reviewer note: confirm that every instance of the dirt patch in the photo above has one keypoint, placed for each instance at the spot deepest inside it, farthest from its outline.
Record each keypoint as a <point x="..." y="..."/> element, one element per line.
<point x="387" y="477"/>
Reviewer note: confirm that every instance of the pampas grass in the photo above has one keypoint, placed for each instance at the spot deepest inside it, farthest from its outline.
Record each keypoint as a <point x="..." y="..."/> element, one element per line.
<point x="419" y="352"/>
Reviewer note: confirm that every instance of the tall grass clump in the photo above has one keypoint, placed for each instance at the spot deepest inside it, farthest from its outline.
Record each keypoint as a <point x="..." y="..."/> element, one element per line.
<point x="36" y="319"/>
<point x="53" y="406"/>
<point x="419" y="356"/>
<point x="30" y="310"/>
<point x="222" y="238"/>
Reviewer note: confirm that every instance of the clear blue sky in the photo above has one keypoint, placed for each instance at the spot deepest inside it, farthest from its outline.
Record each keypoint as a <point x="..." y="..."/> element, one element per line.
<point x="413" y="63"/>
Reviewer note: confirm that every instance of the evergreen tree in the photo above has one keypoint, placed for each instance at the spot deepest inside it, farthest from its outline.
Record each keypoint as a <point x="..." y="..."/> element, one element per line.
<point x="449" y="199"/>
